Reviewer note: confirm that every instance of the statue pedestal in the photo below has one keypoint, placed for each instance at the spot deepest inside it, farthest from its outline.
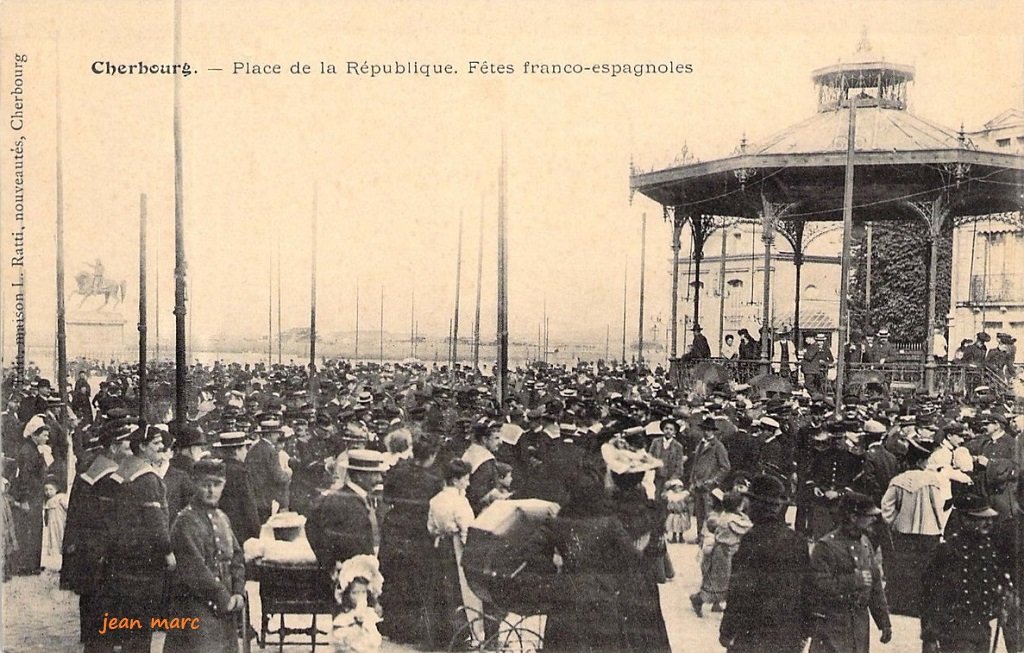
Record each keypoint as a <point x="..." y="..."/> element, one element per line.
<point x="98" y="335"/>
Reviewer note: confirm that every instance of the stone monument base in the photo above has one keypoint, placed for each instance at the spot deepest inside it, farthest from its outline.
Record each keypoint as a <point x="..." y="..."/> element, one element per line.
<point x="98" y="335"/>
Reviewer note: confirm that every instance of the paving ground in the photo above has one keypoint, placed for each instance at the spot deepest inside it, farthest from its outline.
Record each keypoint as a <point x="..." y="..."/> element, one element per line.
<point x="39" y="617"/>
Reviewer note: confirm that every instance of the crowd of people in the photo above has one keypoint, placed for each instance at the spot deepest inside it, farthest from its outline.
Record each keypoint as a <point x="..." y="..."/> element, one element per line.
<point x="904" y="505"/>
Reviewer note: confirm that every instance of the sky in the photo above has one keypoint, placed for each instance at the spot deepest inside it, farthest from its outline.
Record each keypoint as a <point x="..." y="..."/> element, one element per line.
<point x="392" y="164"/>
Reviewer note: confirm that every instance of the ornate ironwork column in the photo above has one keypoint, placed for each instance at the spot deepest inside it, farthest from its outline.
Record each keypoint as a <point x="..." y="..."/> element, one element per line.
<point x="793" y="231"/>
<point x="771" y="214"/>
<point x="934" y="213"/>
<point x="678" y="220"/>
<point x="701" y="228"/>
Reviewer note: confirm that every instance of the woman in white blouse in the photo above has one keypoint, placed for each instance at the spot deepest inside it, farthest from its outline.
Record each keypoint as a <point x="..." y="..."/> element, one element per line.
<point x="448" y="522"/>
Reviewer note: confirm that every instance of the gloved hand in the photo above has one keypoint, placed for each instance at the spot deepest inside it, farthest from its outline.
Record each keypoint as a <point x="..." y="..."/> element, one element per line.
<point x="886" y="636"/>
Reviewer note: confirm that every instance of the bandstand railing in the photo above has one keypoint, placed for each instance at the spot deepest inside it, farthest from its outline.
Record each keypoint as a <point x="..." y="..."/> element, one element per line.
<point x="898" y="377"/>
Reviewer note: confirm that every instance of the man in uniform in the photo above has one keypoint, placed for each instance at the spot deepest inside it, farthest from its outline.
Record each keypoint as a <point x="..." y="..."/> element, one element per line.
<point x="209" y="583"/>
<point x="90" y="522"/>
<point x="963" y="584"/>
<point x="848" y="582"/>
<point x="141" y="544"/>
<point x="831" y="472"/>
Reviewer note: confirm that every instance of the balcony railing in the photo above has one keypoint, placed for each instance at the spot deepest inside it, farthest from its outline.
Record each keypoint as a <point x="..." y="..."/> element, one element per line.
<point x="997" y="288"/>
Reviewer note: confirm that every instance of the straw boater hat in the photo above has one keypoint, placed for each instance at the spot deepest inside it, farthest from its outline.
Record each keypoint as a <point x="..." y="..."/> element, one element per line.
<point x="268" y="424"/>
<point x="231" y="439"/>
<point x="364" y="460"/>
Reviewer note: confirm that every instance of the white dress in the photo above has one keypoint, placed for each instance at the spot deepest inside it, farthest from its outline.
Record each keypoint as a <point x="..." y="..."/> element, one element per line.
<point x="355" y="631"/>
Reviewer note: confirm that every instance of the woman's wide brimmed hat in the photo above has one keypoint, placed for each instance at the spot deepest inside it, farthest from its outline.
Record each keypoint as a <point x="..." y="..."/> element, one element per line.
<point x="361" y="566"/>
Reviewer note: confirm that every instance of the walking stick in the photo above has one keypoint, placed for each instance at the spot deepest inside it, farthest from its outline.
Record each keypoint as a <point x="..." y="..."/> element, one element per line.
<point x="243" y="616"/>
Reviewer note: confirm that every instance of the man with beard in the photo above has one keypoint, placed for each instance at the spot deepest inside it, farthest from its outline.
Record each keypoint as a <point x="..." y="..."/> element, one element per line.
<point x="767" y="607"/>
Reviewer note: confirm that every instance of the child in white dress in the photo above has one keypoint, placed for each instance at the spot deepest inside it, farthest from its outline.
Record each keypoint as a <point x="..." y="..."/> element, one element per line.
<point x="55" y="515"/>
<point x="358" y="585"/>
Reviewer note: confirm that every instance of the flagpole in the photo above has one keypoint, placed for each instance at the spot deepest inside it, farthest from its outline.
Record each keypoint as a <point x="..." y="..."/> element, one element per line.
<point x="270" y="315"/>
<point x="312" y="291"/>
<point x="479" y="285"/>
<point x="357" y="320"/>
<point x="502" y="371"/>
<point x="382" y="325"/>
<point x="643" y="262"/>
<point x="625" y="291"/>
<point x="143" y="375"/>
<point x="458" y="294"/>
<point x="62" y="352"/>
<point x="180" y="354"/>
<point x="280" y="338"/>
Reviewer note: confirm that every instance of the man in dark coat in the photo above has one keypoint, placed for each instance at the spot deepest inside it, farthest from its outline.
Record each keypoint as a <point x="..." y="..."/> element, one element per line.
<point x="270" y="479"/>
<point x="141" y="543"/>
<point x="767" y="607"/>
<point x="90" y="522"/>
<point x="815" y="363"/>
<point x="963" y="584"/>
<point x="188" y="445"/>
<point x="343" y="522"/>
<point x="699" y="348"/>
<point x="237" y="501"/>
<point x="209" y="582"/>
<point x="710" y="465"/>
<point x="848" y="581"/>
<point x="670" y="452"/>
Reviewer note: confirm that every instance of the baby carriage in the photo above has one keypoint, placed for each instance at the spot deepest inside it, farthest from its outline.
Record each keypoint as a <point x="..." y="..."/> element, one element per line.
<point x="508" y="565"/>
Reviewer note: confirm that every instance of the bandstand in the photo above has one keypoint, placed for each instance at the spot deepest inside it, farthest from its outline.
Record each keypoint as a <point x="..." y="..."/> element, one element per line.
<point x="861" y="158"/>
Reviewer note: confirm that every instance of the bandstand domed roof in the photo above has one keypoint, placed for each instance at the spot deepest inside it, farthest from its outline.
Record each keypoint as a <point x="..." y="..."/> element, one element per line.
<point x="878" y="130"/>
<point x="897" y="155"/>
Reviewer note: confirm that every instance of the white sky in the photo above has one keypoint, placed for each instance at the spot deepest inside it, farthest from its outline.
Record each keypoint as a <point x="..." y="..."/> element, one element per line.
<point x="396" y="161"/>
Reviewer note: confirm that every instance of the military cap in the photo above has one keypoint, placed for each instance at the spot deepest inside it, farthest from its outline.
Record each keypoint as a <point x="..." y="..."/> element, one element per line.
<point x="855" y="503"/>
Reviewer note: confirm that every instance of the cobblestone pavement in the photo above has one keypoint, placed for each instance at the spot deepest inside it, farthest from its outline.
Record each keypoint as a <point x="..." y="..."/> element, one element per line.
<point x="39" y="617"/>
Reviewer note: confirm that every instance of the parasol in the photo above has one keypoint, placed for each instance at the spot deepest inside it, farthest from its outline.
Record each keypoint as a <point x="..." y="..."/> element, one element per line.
<point x="766" y="383"/>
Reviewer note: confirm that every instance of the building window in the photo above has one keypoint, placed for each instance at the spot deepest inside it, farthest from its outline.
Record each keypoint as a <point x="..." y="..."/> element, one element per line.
<point x="992" y="325"/>
<point x="1003" y="142"/>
